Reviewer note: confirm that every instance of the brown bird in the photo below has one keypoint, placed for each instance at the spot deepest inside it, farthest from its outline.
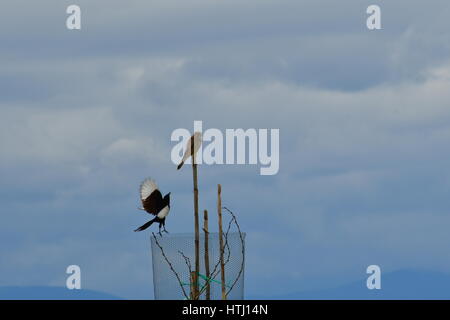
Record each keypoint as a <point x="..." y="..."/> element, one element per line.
<point x="197" y="137"/>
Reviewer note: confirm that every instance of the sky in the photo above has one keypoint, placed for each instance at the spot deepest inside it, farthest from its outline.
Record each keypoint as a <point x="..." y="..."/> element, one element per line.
<point x="86" y="115"/>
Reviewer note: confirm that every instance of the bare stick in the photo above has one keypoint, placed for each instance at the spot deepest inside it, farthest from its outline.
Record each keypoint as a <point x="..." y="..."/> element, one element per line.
<point x="216" y="269"/>
<point x="205" y="229"/>
<point x="196" y="222"/>
<point x="222" y="265"/>
<point x="171" y="266"/>
<point x="193" y="294"/>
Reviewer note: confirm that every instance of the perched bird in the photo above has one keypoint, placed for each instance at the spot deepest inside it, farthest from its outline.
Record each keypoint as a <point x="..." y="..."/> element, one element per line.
<point x="154" y="203"/>
<point x="197" y="137"/>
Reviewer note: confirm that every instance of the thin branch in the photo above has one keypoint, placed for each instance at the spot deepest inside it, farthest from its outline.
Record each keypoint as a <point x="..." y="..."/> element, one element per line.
<point x="242" y="247"/>
<point x="226" y="245"/>
<point x="186" y="260"/>
<point x="216" y="271"/>
<point x="170" y="265"/>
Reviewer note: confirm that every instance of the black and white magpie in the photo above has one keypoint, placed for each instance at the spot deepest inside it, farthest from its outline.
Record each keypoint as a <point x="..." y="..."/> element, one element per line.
<point x="154" y="203"/>
<point x="197" y="136"/>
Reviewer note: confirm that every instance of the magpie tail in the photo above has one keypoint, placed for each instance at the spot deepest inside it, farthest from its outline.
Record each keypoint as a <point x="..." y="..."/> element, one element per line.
<point x="145" y="226"/>
<point x="180" y="165"/>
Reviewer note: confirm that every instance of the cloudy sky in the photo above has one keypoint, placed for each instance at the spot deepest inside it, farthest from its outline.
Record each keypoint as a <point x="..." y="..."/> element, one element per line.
<point x="364" y="119"/>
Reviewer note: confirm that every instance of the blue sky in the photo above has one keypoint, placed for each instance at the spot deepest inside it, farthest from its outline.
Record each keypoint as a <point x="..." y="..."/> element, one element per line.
<point x="364" y="123"/>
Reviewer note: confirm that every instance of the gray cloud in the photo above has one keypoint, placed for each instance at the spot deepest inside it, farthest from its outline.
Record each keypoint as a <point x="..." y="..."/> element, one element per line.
<point x="363" y="118"/>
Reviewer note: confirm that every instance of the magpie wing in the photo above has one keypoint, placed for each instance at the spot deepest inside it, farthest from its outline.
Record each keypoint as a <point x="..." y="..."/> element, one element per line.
<point x="151" y="197"/>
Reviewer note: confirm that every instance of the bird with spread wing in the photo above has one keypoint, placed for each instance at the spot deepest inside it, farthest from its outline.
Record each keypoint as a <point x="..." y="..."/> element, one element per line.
<point x="154" y="203"/>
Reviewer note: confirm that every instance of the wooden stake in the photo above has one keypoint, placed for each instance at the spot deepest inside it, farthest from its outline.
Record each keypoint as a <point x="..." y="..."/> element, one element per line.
<point x="196" y="222"/>
<point x="222" y="265"/>
<point x="194" y="280"/>
<point x="207" y="273"/>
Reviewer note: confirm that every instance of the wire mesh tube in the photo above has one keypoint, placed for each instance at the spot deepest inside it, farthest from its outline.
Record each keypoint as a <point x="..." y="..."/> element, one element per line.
<point x="179" y="250"/>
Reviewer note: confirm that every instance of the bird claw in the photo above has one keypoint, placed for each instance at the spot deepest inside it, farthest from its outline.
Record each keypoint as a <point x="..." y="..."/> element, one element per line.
<point x="166" y="231"/>
<point x="160" y="234"/>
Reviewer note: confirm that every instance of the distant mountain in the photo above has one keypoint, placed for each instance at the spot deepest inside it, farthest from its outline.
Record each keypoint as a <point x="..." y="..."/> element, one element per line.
<point x="398" y="285"/>
<point x="52" y="293"/>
